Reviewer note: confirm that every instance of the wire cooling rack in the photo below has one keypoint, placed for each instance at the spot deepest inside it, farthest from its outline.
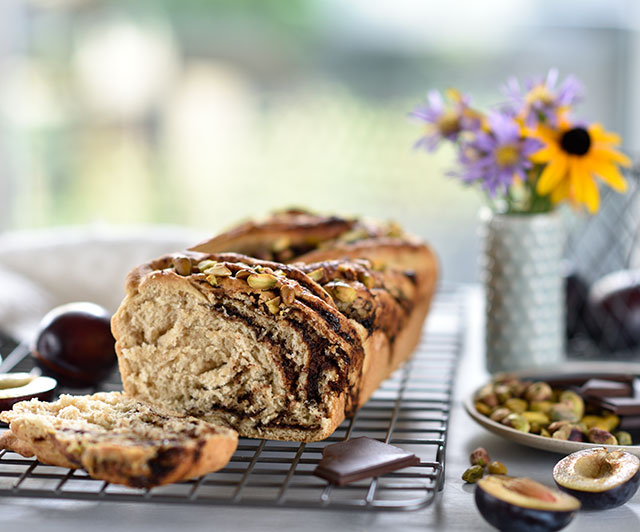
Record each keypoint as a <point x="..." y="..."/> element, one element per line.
<point x="410" y="410"/>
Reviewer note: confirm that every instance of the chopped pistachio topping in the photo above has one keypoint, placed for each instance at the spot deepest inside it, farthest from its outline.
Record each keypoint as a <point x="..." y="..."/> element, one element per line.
<point x="206" y="264"/>
<point x="354" y="235"/>
<point x="394" y="230"/>
<point x="288" y="294"/>
<point x="219" y="270"/>
<point x="281" y="244"/>
<point x="342" y="291"/>
<point x="182" y="265"/>
<point x="317" y="275"/>
<point x="212" y="279"/>
<point x="262" y="281"/>
<point x="345" y="267"/>
<point x="243" y="274"/>
<point x="273" y="305"/>
<point x="366" y="279"/>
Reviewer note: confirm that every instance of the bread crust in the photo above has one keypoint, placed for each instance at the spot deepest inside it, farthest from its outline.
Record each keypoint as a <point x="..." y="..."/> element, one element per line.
<point x="292" y="228"/>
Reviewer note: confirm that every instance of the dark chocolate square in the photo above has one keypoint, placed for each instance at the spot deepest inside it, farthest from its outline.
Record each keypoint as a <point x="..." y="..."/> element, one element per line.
<point x="359" y="458"/>
<point x="606" y="388"/>
<point x="622" y="406"/>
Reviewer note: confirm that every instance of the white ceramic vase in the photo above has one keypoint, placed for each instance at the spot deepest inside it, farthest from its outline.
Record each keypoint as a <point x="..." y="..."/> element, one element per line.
<point x="523" y="280"/>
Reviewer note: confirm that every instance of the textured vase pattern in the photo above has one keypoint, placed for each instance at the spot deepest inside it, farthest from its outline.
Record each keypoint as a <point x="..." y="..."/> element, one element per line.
<point x="522" y="275"/>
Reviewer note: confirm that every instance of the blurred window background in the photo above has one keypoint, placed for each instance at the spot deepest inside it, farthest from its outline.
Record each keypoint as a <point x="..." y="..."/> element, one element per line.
<point x="203" y="112"/>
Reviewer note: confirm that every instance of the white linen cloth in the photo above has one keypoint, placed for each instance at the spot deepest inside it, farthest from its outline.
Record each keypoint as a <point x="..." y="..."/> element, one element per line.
<point x="46" y="268"/>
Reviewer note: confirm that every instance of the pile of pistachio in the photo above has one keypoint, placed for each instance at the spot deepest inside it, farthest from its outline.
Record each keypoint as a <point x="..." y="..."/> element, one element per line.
<point x="538" y="408"/>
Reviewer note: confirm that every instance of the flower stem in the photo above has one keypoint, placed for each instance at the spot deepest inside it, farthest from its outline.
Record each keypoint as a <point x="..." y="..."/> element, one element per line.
<point x="529" y="201"/>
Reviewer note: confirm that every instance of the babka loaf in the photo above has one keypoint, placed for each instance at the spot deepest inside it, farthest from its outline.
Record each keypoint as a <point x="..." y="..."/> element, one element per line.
<point x="117" y="439"/>
<point x="274" y="350"/>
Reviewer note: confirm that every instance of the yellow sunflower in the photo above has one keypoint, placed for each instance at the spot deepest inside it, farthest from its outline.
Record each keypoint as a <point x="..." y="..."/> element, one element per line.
<point x="573" y="157"/>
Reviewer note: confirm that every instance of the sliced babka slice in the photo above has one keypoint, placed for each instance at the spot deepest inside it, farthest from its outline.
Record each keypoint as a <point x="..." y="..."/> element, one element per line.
<point x="117" y="439"/>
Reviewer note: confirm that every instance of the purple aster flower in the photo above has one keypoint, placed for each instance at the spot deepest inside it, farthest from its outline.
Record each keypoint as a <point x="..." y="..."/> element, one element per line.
<point x="541" y="100"/>
<point x="445" y="122"/>
<point x="495" y="158"/>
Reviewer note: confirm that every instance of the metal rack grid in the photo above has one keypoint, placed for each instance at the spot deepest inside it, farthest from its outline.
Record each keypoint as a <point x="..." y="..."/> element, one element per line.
<point x="410" y="409"/>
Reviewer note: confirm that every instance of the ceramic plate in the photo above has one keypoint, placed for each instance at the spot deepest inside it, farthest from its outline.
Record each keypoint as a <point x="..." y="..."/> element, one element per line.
<point x="589" y="369"/>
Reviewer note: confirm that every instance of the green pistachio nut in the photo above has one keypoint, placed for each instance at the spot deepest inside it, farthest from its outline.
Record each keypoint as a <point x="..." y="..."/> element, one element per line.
<point x="497" y="468"/>
<point x="572" y="398"/>
<point x="538" y="391"/>
<point x="600" y="436"/>
<point x="541" y="406"/>
<point x="564" y="412"/>
<point x="500" y="413"/>
<point x="516" y="421"/>
<point x="473" y="474"/>
<point x="262" y="281"/>
<point x="516" y="405"/>
<point x="536" y="417"/>
<point x="623" y="437"/>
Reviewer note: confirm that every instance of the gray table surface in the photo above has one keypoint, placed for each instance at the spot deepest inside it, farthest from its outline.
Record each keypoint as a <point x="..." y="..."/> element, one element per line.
<point x="454" y="509"/>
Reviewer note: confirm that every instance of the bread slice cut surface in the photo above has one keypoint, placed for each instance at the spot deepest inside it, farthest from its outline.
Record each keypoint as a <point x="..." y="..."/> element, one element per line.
<point x="117" y="439"/>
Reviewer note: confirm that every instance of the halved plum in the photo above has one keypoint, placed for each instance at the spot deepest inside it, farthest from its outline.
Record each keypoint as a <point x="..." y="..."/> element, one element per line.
<point x="514" y="504"/>
<point x="598" y="477"/>
<point x="16" y="387"/>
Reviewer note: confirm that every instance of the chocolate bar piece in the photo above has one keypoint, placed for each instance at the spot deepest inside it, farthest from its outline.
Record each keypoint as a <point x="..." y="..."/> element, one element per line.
<point x="622" y="406"/>
<point x="606" y="388"/>
<point x="629" y="423"/>
<point x="359" y="458"/>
